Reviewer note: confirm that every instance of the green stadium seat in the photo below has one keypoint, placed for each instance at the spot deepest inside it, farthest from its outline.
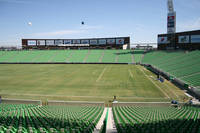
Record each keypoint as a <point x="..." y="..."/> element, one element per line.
<point x="71" y="56"/>
<point x="156" y="119"/>
<point x="182" y="65"/>
<point x="33" y="118"/>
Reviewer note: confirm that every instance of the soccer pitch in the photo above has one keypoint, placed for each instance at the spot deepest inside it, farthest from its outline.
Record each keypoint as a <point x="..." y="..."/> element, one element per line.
<point x="84" y="82"/>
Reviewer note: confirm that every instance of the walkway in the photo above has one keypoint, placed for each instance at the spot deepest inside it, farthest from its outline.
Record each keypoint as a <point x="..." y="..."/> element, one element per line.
<point x="110" y="128"/>
<point x="100" y="123"/>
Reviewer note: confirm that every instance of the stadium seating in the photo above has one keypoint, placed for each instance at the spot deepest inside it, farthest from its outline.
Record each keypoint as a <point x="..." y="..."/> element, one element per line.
<point x="10" y="107"/>
<point x="137" y="119"/>
<point x="94" y="56"/>
<point x="27" y="56"/>
<point x="71" y="56"/>
<point x="29" y="118"/>
<point x="78" y="55"/>
<point x="60" y="56"/>
<point x="7" y="56"/>
<point x="182" y="65"/>
<point x="124" y="56"/>
<point x="109" y="56"/>
<point x="43" y="56"/>
<point x="138" y="55"/>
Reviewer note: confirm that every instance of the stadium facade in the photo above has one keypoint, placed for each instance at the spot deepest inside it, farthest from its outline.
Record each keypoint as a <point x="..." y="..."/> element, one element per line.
<point x="189" y="40"/>
<point x="87" y="43"/>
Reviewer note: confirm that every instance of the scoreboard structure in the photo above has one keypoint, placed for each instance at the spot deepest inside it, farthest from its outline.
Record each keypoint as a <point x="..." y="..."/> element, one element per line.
<point x="93" y="43"/>
<point x="171" y="22"/>
<point x="189" y="40"/>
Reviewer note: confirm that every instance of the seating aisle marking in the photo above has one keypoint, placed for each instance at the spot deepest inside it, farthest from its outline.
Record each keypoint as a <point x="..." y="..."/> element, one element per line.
<point x="100" y="123"/>
<point x="110" y="127"/>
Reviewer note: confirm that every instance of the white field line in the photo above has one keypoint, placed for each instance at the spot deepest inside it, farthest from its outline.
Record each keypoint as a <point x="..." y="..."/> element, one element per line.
<point x="154" y="83"/>
<point x="171" y="90"/>
<point x="165" y="85"/>
<point x="139" y="98"/>
<point x="130" y="73"/>
<point x="100" y="76"/>
<point x="188" y="95"/>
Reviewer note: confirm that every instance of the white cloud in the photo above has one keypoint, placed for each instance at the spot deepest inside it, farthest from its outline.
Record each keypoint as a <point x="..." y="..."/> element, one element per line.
<point x="80" y="30"/>
<point x="15" y="40"/>
<point x="189" y="25"/>
<point x="90" y="27"/>
<point x="57" y="33"/>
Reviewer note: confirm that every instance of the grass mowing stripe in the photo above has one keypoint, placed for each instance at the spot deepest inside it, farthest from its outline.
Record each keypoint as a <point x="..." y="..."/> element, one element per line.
<point x="173" y="92"/>
<point x="78" y="82"/>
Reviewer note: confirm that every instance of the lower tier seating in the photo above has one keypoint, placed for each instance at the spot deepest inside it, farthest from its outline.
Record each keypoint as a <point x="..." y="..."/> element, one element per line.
<point x="28" y="118"/>
<point x="135" y="119"/>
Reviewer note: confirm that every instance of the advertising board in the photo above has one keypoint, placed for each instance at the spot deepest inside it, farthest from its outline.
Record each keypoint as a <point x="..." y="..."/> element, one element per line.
<point x="31" y="42"/>
<point x="49" y="42"/>
<point x="171" y="22"/>
<point x="93" y="42"/>
<point x="41" y="42"/>
<point x="102" y="41"/>
<point x="183" y="39"/>
<point x="195" y="38"/>
<point x="162" y="40"/>
<point x="76" y="41"/>
<point x="84" y="41"/>
<point x="75" y="45"/>
<point x="67" y="41"/>
<point x="110" y="41"/>
<point x="120" y="41"/>
<point x="58" y="42"/>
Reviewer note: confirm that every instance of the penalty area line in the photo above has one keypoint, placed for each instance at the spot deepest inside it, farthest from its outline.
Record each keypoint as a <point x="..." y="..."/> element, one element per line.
<point x="130" y="73"/>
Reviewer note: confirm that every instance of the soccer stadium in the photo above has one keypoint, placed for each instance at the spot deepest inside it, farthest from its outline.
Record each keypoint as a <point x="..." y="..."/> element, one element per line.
<point x="101" y="84"/>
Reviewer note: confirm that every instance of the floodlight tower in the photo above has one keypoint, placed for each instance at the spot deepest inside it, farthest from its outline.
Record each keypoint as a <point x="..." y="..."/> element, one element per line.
<point x="171" y="24"/>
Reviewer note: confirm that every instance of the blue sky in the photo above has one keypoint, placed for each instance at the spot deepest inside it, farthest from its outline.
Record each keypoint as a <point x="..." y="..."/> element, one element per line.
<point x="142" y="20"/>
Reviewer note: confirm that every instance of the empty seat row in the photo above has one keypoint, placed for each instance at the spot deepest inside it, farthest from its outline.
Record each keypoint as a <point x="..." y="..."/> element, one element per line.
<point x="138" y="119"/>
<point x="50" y="119"/>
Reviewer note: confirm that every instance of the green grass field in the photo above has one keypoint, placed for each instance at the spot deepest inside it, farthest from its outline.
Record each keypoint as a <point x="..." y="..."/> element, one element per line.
<point x="84" y="82"/>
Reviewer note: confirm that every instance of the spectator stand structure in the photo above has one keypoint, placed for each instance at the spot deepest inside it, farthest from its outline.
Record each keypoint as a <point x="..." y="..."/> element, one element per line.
<point x="156" y="117"/>
<point x="68" y="118"/>
<point x="181" y="67"/>
<point x="70" y="57"/>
